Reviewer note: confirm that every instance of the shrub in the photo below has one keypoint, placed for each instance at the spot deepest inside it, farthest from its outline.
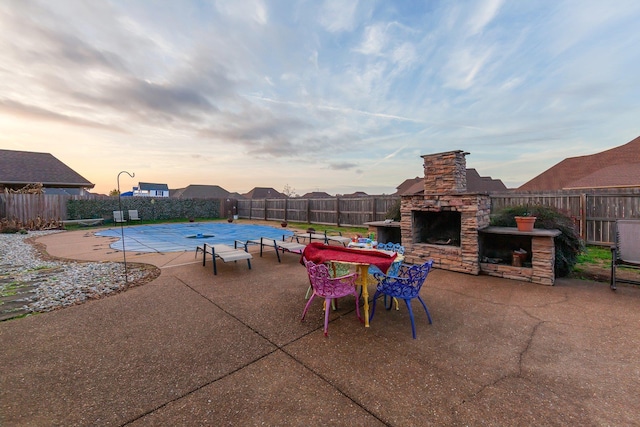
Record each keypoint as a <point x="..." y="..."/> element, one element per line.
<point x="568" y="244"/>
<point x="394" y="211"/>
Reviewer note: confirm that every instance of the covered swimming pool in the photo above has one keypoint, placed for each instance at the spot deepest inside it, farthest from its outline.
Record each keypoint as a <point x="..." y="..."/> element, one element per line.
<point x="180" y="237"/>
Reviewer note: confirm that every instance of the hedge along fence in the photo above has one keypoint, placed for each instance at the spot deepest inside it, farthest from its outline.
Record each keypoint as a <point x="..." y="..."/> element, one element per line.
<point x="149" y="208"/>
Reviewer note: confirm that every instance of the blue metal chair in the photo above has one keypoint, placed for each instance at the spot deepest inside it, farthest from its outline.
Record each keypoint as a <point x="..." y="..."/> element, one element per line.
<point x="406" y="285"/>
<point x="393" y="270"/>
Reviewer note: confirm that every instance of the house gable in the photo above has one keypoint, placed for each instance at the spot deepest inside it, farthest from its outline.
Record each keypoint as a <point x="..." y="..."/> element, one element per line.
<point x="572" y="172"/>
<point x="19" y="168"/>
<point x="201" y="192"/>
<point x="264" y="193"/>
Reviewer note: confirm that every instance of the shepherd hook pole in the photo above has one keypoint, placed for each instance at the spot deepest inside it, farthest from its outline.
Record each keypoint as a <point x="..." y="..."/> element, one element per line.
<point x="124" y="252"/>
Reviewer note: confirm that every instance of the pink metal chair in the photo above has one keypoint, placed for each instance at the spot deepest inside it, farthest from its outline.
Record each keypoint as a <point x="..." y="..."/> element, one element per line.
<point x="330" y="288"/>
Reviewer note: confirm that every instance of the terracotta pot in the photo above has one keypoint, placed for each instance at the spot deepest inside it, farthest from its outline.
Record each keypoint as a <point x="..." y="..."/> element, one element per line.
<point x="229" y="219"/>
<point x="525" y="223"/>
<point x="284" y="224"/>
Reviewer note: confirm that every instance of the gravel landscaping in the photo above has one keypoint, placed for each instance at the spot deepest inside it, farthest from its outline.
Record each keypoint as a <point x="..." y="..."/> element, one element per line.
<point x="32" y="282"/>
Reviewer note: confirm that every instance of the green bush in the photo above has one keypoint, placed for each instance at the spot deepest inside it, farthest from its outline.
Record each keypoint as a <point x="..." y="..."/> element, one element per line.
<point x="394" y="211"/>
<point x="568" y="244"/>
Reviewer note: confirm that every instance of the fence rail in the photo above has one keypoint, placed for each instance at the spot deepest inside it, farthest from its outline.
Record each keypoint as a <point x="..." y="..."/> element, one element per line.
<point x="27" y="207"/>
<point x="594" y="212"/>
<point x="335" y="210"/>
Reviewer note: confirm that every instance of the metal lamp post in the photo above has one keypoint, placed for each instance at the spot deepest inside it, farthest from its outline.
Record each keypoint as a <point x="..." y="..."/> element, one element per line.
<point x="124" y="252"/>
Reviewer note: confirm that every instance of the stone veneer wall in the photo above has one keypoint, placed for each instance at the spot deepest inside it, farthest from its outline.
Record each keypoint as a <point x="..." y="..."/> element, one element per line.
<point x="542" y="269"/>
<point x="474" y="211"/>
<point x="445" y="172"/>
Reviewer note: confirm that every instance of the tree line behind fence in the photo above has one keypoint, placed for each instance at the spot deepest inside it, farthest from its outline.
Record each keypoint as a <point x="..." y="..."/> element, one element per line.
<point x="594" y="213"/>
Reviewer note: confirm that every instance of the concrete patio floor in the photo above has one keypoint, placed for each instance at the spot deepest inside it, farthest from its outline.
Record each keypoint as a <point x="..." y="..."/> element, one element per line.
<point x="191" y="348"/>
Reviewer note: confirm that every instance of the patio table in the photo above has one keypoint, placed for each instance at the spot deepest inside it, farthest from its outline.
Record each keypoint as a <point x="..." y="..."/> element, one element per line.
<point x="361" y="258"/>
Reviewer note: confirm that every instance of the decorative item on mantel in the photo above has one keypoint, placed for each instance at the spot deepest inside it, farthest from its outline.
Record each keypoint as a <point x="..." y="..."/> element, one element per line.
<point x="525" y="223"/>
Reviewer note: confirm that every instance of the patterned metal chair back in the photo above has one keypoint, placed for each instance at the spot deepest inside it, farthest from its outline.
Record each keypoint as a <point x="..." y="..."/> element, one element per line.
<point x="395" y="247"/>
<point x="406" y="286"/>
<point x="406" y="283"/>
<point x="325" y="285"/>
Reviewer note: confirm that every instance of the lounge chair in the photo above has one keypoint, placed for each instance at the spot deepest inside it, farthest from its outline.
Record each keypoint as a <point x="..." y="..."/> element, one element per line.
<point x="337" y="237"/>
<point x="133" y="215"/>
<point x="278" y="245"/>
<point x="311" y="236"/>
<point x="224" y="252"/>
<point x="118" y="217"/>
<point x="626" y="249"/>
<point x="324" y="237"/>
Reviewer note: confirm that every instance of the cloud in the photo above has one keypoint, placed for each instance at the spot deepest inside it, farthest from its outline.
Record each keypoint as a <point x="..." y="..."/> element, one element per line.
<point x="359" y="84"/>
<point x="342" y="166"/>
<point x="338" y="15"/>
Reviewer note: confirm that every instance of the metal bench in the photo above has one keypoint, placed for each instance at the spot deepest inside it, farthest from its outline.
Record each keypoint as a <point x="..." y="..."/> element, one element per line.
<point x="626" y="249"/>
<point x="224" y="252"/>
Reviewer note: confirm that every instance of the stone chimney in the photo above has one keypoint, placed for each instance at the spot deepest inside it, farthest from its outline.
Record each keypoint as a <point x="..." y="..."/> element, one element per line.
<point x="445" y="173"/>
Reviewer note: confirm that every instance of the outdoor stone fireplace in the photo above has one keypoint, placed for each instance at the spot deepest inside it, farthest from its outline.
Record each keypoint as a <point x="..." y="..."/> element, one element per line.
<point x="451" y="226"/>
<point x="442" y="224"/>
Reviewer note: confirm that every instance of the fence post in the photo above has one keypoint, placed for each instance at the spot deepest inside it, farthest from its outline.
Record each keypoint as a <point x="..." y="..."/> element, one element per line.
<point x="583" y="216"/>
<point x="373" y="209"/>
<point x="337" y="210"/>
<point x="308" y="211"/>
<point x="286" y="201"/>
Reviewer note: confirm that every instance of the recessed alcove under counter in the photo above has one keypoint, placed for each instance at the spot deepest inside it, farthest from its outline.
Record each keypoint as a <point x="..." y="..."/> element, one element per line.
<point x="386" y="231"/>
<point x="497" y="245"/>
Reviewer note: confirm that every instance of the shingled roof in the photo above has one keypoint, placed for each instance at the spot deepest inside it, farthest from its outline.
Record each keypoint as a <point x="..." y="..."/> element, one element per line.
<point x="264" y="193"/>
<point x="317" y="195"/>
<point x="617" y="167"/>
<point x="196" y="191"/>
<point x="19" y="168"/>
<point x="475" y="183"/>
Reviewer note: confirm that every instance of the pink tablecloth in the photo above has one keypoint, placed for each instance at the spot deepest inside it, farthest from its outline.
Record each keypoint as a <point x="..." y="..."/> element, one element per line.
<point x="321" y="253"/>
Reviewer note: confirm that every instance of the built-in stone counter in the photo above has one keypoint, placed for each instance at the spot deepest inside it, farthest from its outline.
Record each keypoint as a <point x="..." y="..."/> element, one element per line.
<point x="386" y="232"/>
<point x="499" y="243"/>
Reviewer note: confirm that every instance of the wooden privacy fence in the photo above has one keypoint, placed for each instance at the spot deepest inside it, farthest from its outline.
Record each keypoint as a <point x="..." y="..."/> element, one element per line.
<point x="594" y="213"/>
<point x="27" y="207"/>
<point x="335" y="210"/>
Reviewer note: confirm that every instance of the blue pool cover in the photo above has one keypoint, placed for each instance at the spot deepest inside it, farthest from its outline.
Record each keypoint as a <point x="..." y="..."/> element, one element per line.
<point x="186" y="236"/>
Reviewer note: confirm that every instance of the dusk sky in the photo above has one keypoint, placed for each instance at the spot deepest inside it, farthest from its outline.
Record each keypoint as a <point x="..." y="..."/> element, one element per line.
<point x="336" y="96"/>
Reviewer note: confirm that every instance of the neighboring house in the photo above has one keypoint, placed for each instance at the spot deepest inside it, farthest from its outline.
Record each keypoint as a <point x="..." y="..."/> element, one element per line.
<point x="475" y="184"/>
<point x="264" y="193"/>
<point x="483" y="184"/>
<point x="317" y="195"/>
<point x="148" y="189"/>
<point x="20" y="168"/>
<point x="618" y="167"/>
<point x="203" y="192"/>
<point x="356" y="194"/>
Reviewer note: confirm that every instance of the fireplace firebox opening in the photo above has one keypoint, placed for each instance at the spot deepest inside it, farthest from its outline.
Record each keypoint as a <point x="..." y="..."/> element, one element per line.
<point x="437" y="228"/>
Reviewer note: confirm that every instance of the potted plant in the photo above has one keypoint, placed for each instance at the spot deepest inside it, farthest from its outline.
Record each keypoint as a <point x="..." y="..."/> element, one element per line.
<point x="284" y="224"/>
<point x="525" y="222"/>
